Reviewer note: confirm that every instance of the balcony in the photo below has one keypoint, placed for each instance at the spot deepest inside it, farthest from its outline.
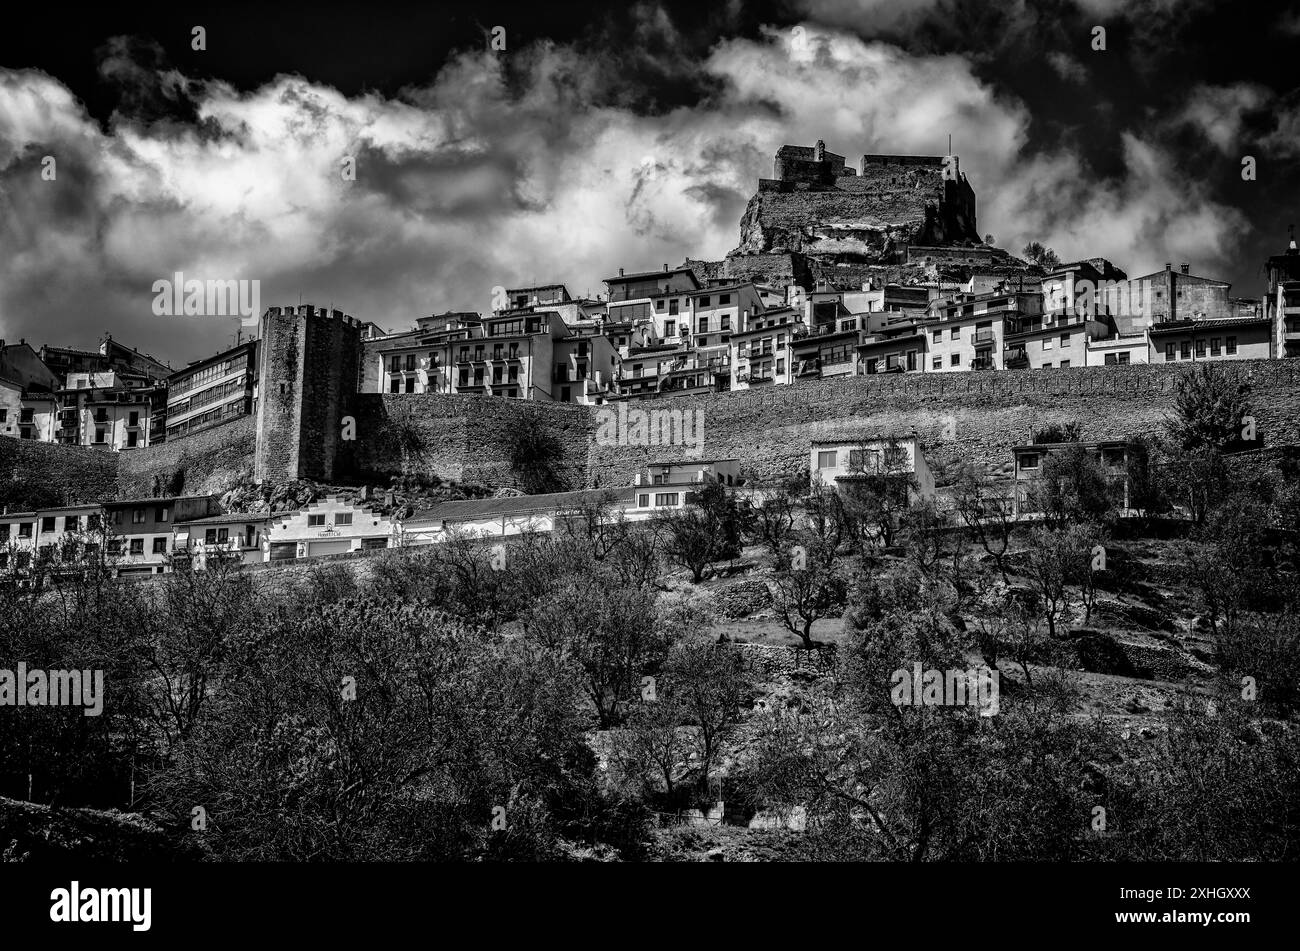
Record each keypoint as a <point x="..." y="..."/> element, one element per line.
<point x="754" y="378"/>
<point x="1016" y="360"/>
<point x="984" y="336"/>
<point x="811" y="367"/>
<point x="985" y="363"/>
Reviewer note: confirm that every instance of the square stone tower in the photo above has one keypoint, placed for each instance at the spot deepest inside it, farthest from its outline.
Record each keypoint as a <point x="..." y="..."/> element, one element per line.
<point x="308" y="372"/>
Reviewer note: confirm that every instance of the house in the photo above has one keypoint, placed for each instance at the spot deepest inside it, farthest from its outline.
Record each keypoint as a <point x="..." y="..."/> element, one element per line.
<point x="1118" y="350"/>
<point x="231" y="537"/>
<point x="328" y="526"/>
<point x="893" y="342"/>
<point x="498" y="518"/>
<point x="140" y="531"/>
<point x="838" y="463"/>
<point x="50" y="531"/>
<point x="761" y="351"/>
<point x="1112" y="455"/>
<point x="675" y="484"/>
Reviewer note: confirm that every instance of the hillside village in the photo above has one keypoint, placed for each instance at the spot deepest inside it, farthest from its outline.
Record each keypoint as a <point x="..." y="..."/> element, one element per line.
<point x="841" y="271"/>
<point x="635" y="571"/>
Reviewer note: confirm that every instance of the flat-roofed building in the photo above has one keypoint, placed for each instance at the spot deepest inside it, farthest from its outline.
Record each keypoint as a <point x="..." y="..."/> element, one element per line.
<point x="212" y="391"/>
<point x="838" y="463"/>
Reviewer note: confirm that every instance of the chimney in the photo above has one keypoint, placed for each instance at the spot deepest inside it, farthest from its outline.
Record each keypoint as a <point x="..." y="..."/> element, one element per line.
<point x="665" y="268"/>
<point x="1184" y="268"/>
<point x="1168" y="266"/>
<point x="620" y="272"/>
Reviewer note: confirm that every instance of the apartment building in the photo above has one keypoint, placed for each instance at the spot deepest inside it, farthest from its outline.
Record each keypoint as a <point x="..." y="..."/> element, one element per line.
<point x="1282" y="300"/>
<point x="1227" y="339"/>
<point x="212" y="391"/>
<point x="762" y="352"/>
<point x="893" y="343"/>
<point x="969" y="332"/>
<point x="105" y="411"/>
<point x="141" y="531"/>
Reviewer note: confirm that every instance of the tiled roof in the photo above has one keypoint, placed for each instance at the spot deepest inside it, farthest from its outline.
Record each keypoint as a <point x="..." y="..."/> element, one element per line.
<point x="517" y="505"/>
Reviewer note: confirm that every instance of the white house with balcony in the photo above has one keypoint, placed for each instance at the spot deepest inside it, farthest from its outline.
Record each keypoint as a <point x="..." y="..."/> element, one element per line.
<point x="675" y="484"/>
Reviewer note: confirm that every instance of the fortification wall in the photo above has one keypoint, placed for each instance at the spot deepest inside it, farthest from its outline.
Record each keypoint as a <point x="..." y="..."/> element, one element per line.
<point x="207" y="462"/>
<point x="40" y="473"/>
<point x="979" y="416"/>
<point x="466" y="438"/>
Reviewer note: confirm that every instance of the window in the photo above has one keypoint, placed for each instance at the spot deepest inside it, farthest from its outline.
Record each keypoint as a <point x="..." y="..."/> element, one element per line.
<point x="1029" y="460"/>
<point x="780" y="365"/>
<point x="956" y="334"/>
<point x="410" y="384"/>
<point x="100" y="437"/>
<point x="137" y="516"/>
<point x="674" y="308"/>
<point x="314" y="521"/>
<point x="826" y="460"/>
<point x="666" y="498"/>
<point x="643" y="500"/>
<point x="4" y="534"/>
<point x="25" y="529"/>
<point x="410" y="362"/>
<point x="670" y="328"/>
<point x="210" y="536"/>
<point x="936" y="336"/>
<point x="343" y="518"/>
<point x="162" y="514"/>
<point x="132" y="439"/>
<point x="1065" y="340"/>
<point x="659" y="304"/>
<point x="1065" y="364"/>
<point x="1232" y="344"/>
<point x="938" y="363"/>
<point x="1215" y="346"/>
<point x="1047" y="343"/>
<point x="1169" y="351"/>
<point x="1185" y="349"/>
<point x="954" y="360"/>
<point x="137" y="546"/>
<point x="47" y="524"/>
<point x="702" y="302"/>
<point x="395" y="386"/>
<point x="395" y="364"/>
<point x="223" y="535"/>
<point x="1200" y="348"/>
<point x="160" y="546"/>
<point x="726" y="321"/>
<point x="72" y="523"/>
<point x="724" y="299"/>
<point x="1123" y="358"/>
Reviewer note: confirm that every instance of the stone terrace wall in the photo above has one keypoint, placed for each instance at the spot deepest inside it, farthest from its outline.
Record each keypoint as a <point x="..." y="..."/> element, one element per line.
<point x="207" y="462"/>
<point x="466" y="438"/>
<point x="956" y="415"/>
<point x="88" y="475"/>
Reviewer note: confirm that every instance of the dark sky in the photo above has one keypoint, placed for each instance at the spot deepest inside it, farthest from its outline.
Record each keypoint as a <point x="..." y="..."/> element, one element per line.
<point x="602" y="137"/>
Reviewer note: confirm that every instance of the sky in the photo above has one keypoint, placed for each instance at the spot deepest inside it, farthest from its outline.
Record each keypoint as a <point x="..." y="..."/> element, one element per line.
<point x="599" y="138"/>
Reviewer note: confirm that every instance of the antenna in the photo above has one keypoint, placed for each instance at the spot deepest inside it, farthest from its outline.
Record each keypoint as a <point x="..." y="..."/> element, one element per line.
<point x="950" y="143"/>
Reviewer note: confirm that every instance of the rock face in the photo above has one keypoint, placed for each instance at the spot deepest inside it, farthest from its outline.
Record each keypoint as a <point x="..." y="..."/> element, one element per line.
<point x="822" y="208"/>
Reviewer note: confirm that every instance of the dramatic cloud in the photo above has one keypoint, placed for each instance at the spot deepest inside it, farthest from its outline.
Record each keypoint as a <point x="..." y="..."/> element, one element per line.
<point x="504" y="171"/>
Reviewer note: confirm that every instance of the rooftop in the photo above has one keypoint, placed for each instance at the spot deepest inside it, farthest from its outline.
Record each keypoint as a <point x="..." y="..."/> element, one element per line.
<point x="516" y="505"/>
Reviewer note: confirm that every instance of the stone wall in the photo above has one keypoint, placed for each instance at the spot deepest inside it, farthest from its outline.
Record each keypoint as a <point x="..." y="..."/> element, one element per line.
<point x="30" y="471"/>
<point x="208" y="462"/>
<point x="980" y="416"/>
<point x="467" y="438"/>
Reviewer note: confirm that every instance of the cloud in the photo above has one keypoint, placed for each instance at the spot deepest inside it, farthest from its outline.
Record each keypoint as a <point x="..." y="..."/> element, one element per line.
<point x="504" y="170"/>
<point x="1067" y="67"/>
<point x="1217" y="112"/>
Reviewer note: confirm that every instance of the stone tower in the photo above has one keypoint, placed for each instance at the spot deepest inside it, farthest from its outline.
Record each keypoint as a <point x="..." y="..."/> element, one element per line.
<point x="308" y="372"/>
